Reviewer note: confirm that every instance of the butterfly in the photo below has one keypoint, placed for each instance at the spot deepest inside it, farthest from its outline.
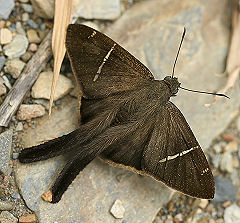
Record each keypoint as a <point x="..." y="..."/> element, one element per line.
<point x="127" y="119"/>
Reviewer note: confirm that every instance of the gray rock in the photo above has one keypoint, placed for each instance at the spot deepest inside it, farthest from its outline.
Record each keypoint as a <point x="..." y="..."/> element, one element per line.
<point x="14" y="67"/>
<point x="17" y="47"/>
<point x="7" y="82"/>
<point x="20" y="29"/>
<point x="199" y="216"/>
<point x="19" y="127"/>
<point x="6" y="206"/>
<point x="3" y="89"/>
<point x="6" y="8"/>
<point x="6" y="217"/>
<point x="15" y="156"/>
<point x="25" y="17"/>
<point x="42" y="87"/>
<point x="32" y="24"/>
<point x="216" y="159"/>
<point x="94" y="190"/>
<point x="232" y="214"/>
<point x="5" y="151"/>
<point x="151" y="30"/>
<point x="15" y="195"/>
<point x="26" y="7"/>
<point x="224" y="190"/>
<point x="101" y="9"/>
<point x="2" y="62"/>
<point x="117" y="209"/>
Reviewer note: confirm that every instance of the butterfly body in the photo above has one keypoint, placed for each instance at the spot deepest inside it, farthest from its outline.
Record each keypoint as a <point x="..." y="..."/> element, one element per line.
<point x="127" y="119"/>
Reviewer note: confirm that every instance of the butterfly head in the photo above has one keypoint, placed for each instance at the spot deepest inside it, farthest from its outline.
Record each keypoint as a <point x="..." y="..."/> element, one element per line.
<point x="173" y="84"/>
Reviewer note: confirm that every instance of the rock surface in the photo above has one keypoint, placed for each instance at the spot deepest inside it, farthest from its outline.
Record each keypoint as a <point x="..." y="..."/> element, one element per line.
<point x="5" y="151"/>
<point x="7" y="217"/>
<point x="17" y="47"/>
<point x="232" y="214"/>
<point x="42" y="87"/>
<point x="94" y="190"/>
<point x="6" y="8"/>
<point x="5" y="36"/>
<point x="118" y="209"/>
<point x="14" y="67"/>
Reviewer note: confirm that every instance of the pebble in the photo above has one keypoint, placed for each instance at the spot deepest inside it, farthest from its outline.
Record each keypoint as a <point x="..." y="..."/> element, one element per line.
<point x="28" y="218"/>
<point x="226" y="162"/>
<point x="42" y="87"/>
<point x="25" y="17"/>
<point x="26" y="56"/>
<point x="178" y="218"/>
<point x="6" y="8"/>
<point x="232" y="146"/>
<point x="5" y="36"/>
<point x="5" y="151"/>
<point x="19" y="29"/>
<point x="6" y="206"/>
<point x="7" y="82"/>
<point x="228" y="137"/>
<point x="216" y="160"/>
<point x="217" y="148"/>
<point x="15" y="156"/>
<point x="15" y="195"/>
<point x="14" y="67"/>
<point x="26" y="111"/>
<point x="3" y="89"/>
<point x="26" y="7"/>
<point x="19" y="127"/>
<point x="224" y="190"/>
<point x="2" y="62"/>
<point x="7" y="217"/>
<point x="17" y="47"/>
<point x="33" y="36"/>
<point x="33" y="47"/>
<point x="117" y="209"/>
<point x="198" y="217"/>
<point x="203" y="203"/>
<point x="32" y="24"/>
<point x="232" y="214"/>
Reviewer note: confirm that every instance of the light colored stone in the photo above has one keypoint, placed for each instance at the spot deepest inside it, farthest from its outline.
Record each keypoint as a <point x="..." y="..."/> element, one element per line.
<point x="203" y="204"/>
<point x="232" y="214"/>
<point x="2" y="62"/>
<point x="42" y="87"/>
<point x="3" y="89"/>
<point x="232" y="146"/>
<point x="25" y="17"/>
<point x="198" y="216"/>
<point x="43" y="8"/>
<point x="27" y="7"/>
<point x="5" y="151"/>
<point x="6" y="206"/>
<point x="7" y="82"/>
<point x="6" y="8"/>
<point x="19" y="127"/>
<point x="7" y="217"/>
<point x="19" y="29"/>
<point x="17" y="47"/>
<point x="118" y="209"/>
<point x="14" y="67"/>
<point x="5" y="36"/>
<point x="33" y="47"/>
<point x="33" y="36"/>
<point x="26" y="112"/>
<point x="226" y="162"/>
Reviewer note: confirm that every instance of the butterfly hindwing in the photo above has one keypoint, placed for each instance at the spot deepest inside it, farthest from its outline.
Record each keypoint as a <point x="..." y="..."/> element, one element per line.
<point x="102" y="66"/>
<point x="174" y="156"/>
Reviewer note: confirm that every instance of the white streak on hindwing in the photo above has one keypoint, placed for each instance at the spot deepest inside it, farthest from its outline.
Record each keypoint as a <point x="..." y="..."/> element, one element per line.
<point x="104" y="61"/>
<point x="92" y="35"/>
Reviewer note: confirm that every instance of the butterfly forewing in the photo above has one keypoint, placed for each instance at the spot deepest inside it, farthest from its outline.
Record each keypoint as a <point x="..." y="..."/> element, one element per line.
<point x="174" y="156"/>
<point x="101" y="65"/>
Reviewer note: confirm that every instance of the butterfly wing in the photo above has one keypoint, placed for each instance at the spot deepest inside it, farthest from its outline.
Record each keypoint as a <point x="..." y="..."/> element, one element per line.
<point x="100" y="65"/>
<point x="174" y="156"/>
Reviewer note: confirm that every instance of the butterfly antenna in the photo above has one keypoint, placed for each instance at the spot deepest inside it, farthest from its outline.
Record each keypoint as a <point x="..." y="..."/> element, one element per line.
<point x="204" y="92"/>
<point x="184" y="32"/>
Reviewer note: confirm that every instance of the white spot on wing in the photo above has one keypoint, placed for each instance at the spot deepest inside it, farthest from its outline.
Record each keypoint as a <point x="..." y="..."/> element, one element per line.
<point x="93" y="34"/>
<point x="104" y="61"/>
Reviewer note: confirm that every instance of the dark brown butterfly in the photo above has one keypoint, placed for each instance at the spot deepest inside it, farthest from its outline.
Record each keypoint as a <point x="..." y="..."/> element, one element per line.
<point x="126" y="119"/>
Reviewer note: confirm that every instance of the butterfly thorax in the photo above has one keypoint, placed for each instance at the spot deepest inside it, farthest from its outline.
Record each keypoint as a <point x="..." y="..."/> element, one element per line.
<point x="173" y="84"/>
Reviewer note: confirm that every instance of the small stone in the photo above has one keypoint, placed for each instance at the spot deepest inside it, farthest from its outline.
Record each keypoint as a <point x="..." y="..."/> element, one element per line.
<point x="15" y="156"/>
<point x="5" y="36"/>
<point x="42" y="87"/>
<point x="19" y="127"/>
<point x="178" y="218"/>
<point x="216" y="160"/>
<point x="17" y="47"/>
<point x="6" y="206"/>
<point x="26" y="57"/>
<point x="226" y="162"/>
<point x="226" y="204"/>
<point x="2" y="24"/>
<point x="6" y="8"/>
<point x="224" y="190"/>
<point x="203" y="204"/>
<point x="217" y="148"/>
<point x="33" y="36"/>
<point x="26" y="111"/>
<point x="199" y="216"/>
<point x="5" y="151"/>
<point x="3" y="89"/>
<point x="232" y="214"/>
<point x="25" y="17"/>
<point x="19" y="29"/>
<point x="28" y="218"/>
<point x="6" y="217"/>
<point x="33" y="47"/>
<point x="2" y="62"/>
<point x="27" y="7"/>
<point x="7" y="82"/>
<point x="117" y="209"/>
<point x="24" y="1"/>
<point x="32" y="24"/>
<point x="228" y="137"/>
<point x="14" y="67"/>
<point x="232" y="146"/>
<point x="15" y="195"/>
<point x="43" y="8"/>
